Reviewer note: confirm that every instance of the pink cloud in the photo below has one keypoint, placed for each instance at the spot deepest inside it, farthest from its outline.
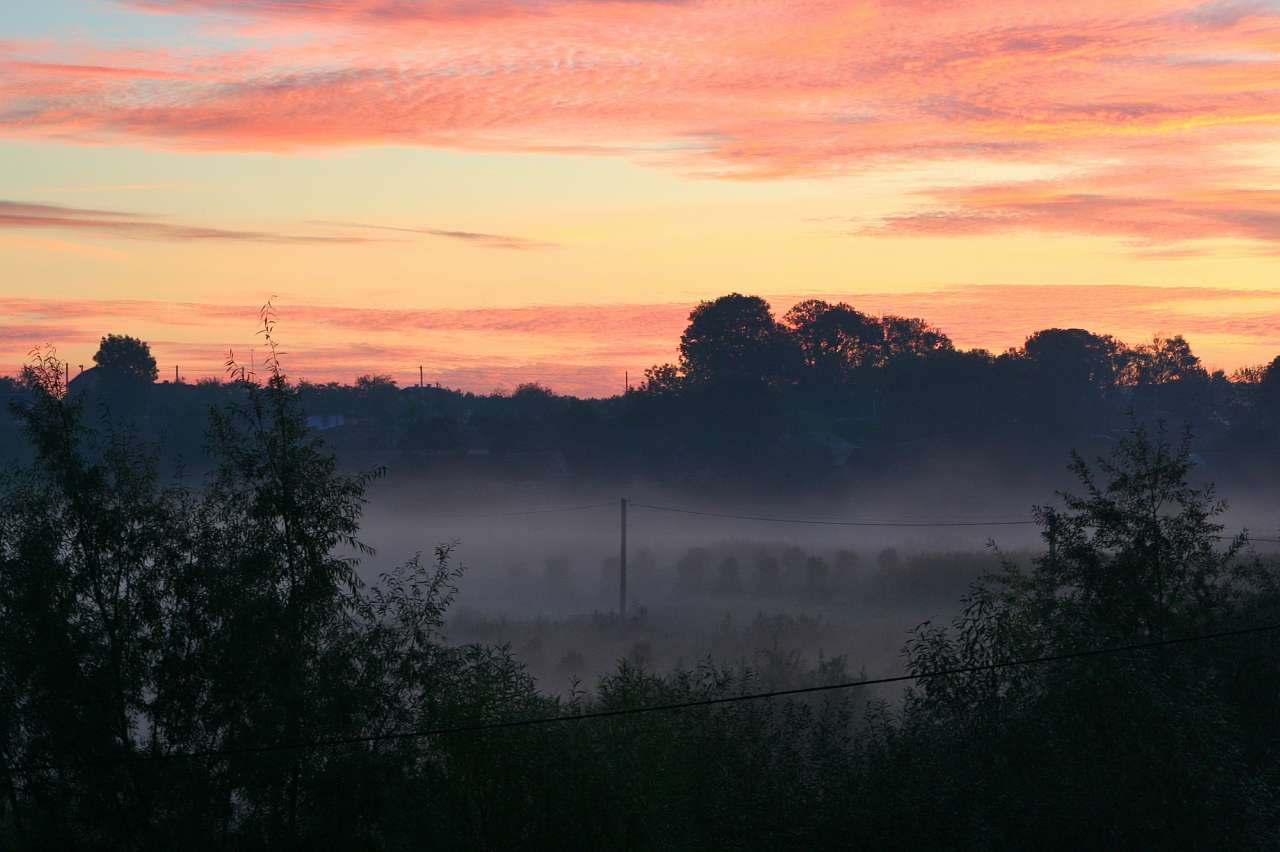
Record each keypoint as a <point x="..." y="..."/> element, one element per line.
<point x="800" y="85"/>
<point x="379" y="12"/>
<point x="777" y="88"/>
<point x="73" y="70"/>
<point x="1160" y="209"/>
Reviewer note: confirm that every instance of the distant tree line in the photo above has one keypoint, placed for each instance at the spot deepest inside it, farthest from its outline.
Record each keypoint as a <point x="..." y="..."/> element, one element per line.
<point x="744" y="378"/>
<point x="821" y="396"/>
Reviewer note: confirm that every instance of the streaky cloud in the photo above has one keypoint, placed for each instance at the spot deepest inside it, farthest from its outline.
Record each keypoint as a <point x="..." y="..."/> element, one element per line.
<point x="1161" y="212"/>
<point x="377" y="11"/>
<point x="19" y="214"/>
<point x="498" y="241"/>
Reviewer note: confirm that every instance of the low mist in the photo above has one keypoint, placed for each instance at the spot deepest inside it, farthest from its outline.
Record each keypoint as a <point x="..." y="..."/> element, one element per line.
<point x="542" y="566"/>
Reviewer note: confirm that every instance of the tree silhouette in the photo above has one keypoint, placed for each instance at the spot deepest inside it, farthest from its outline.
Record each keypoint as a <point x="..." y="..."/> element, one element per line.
<point x="911" y="336"/>
<point x="1138" y="555"/>
<point x="662" y="380"/>
<point x="128" y="357"/>
<point x="1166" y="360"/>
<point x="834" y="340"/>
<point x="1076" y="357"/>
<point x="735" y="340"/>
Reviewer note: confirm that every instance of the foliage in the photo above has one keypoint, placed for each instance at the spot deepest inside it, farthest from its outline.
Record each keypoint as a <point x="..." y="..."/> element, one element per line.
<point x="166" y="621"/>
<point x="1165" y="360"/>
<point x="1137" y="556"/>
<point x="834" y="340"/>
<point x="125" y="357"/>
<point x="735" y="339"/>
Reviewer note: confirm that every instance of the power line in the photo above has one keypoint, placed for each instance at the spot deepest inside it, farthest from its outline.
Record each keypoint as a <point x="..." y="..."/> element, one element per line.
<point x="878" y="523"/>
<point x="833" y="523"/>
<point x="810" y="521"/>
<point x="763" y="518"/>
<point x="481" y="727"/>
<point x="518" y="514"/>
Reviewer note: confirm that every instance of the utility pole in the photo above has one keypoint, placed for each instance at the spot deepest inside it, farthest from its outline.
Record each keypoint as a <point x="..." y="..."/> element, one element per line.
<point x="420" y="379"/>
<point x="622" y="562"/>
<point x="68" y="369"/>
<point x="175" y="374"/>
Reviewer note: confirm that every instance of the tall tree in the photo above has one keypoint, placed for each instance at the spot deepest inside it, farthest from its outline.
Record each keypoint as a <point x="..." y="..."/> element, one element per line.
<point x="1075" y="357"/>
<point x="128" y="357"/>
<point x="1166" y="360"/>
<point x="735" y="340"/>
<point x="834" y="340"/>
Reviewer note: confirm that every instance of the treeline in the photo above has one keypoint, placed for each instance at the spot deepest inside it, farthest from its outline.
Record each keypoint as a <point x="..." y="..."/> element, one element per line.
<point x="822" y="396"/>
<point x="894" y="386"/>
<point x="200" y="668"/>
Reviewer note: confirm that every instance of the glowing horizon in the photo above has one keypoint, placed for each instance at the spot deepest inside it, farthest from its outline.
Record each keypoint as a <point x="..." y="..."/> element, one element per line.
<point x="510" y="190"/>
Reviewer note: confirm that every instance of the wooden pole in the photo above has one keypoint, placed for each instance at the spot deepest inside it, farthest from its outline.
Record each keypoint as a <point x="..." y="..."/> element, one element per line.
<point x="622" y="562"/>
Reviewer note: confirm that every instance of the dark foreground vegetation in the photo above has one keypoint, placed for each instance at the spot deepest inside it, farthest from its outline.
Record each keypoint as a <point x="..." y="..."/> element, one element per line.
<point x="172" y="655"/>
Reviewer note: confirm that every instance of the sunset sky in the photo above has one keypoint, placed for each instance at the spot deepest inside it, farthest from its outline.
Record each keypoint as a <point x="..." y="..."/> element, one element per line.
<point x="506" y="190"/>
